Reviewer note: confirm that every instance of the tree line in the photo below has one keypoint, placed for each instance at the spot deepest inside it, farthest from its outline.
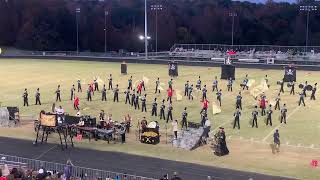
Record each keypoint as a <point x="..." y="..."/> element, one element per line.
<point x="51" y="24"/>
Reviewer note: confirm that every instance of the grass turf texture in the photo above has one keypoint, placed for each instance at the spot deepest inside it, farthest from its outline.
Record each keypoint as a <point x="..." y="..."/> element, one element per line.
<point x="302" y="127"/>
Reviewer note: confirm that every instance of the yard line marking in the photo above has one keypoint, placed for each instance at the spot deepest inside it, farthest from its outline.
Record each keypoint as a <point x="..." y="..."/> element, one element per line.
<point x="287" y="144"/>
<point x="295" y="110"/>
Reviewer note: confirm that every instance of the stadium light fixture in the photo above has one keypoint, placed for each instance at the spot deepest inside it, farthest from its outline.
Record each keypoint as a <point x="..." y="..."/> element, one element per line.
<point x="142" y="37"/>
<point x="307" y="9"/>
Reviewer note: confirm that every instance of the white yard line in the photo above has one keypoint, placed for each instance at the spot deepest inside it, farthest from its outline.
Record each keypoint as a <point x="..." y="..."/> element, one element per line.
<point x="288" y="145"/>
<point x="277" y="127"/>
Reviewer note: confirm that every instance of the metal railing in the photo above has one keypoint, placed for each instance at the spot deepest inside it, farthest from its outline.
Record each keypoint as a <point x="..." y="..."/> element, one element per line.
<point x="77" y="171"/>
<point x="262" y="52"/>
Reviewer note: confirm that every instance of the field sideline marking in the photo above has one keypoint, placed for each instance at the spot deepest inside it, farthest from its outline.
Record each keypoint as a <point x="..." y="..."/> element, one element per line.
<point x="288" y="145"/>
<point x="295" y="110"/>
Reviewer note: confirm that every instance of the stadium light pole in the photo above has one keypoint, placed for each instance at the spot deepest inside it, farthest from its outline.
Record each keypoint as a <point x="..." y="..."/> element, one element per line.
<point x="106" y="13"/>
<point x="77" y="24"/>
<point x="233" y="14"/>
<point x="156" y="8"/>
<point x="145" y="29"/>
<point x="308" y="9"/>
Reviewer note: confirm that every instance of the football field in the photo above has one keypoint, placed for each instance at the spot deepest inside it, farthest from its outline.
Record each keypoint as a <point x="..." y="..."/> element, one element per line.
<point x="249" y="146"/>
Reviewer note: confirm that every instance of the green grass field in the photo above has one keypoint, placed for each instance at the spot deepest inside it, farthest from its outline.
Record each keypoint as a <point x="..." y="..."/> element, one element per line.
<point x="300" y="133"/>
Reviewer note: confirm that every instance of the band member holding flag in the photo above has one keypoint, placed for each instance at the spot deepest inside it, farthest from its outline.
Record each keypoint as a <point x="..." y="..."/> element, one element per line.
<point x="104" y="93"/>
<point x="143" y="103"/>
<point x="239" y="101"/>
<point x="115" y="93"/>
<point x="169" y="115"/>
<point x="110" y="82"/>
<point x="130" y="83"/>
<point x="157" y="86"/>
<point x="127" y="93"/>
<point x="154" y="107"/>
<point x="25" y="97"/>
<point x="38" y="97"/>
<point x="254" y="117"/>
<point x="184" y="118"/>
<point x="190" y="94"/>
<point x="277" y="106"/>
<point x="72" y="90"/>
<point x="245" y="83"/>
<point x="237" y="115"/>
<point x="301" y="99"/>
<point x="162" y="115"/>
<point x="292" y="84"/>
<point x="281" y="86"/>
<point x="96" y="84"/>
<point x="133" y="96"/>
<point x="313" y="92"/>
<point x="215" y="84"/>
<point x="58" y="95"/>
<point x="229" y="85"/>
<point x="269" y="115"/>
<point x="198" y="85"/>
<point x="219" y="94"/>
<point x="79" y="85"/>
<point x="283" y="116"/>
<point x="89" y="98"/>
<point x="186" y="88"/>
<point x="204" y="92"/>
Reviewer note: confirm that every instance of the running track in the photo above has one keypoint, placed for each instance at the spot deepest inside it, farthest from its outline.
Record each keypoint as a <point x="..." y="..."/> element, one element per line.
<point x="121" y="162"/>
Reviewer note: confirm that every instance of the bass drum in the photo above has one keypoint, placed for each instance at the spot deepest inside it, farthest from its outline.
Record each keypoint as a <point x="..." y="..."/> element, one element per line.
<point x="309" y="88"/>
<point x="301" y="86"/>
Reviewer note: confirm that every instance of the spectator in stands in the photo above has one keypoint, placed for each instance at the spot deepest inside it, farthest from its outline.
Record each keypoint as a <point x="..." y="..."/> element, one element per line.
<point x="1" y="176"/>
<point x="68" y="170"/>
<point x="165" y="177"/>
<point x="175" y="176"/>
<point x="41" y="174"/>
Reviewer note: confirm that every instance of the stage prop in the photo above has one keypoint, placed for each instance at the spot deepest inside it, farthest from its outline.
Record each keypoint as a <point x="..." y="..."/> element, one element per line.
<point x="150" y="134"/>
<point x="173" y="69"/>
<point x="123" y="68"/>
<point x="227" y="71"/>
<point x="190" y="139"/>
<point x="289" y="74"/>
<point x="9" y="116"/>
<point x="48" y="124"/>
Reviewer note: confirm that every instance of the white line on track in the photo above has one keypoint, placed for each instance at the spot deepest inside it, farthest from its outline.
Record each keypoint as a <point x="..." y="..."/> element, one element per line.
<point x="42" y="154"/>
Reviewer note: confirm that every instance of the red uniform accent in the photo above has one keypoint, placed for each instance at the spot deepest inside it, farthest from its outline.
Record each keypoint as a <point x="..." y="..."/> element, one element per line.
<point x="91" y="87"/>
<point x="263" y="103"/>
<point x="170" y="92"/>
<point x="139" y="87"/>
<point x="205" y="104"/>
<point x="76" y="101"/>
